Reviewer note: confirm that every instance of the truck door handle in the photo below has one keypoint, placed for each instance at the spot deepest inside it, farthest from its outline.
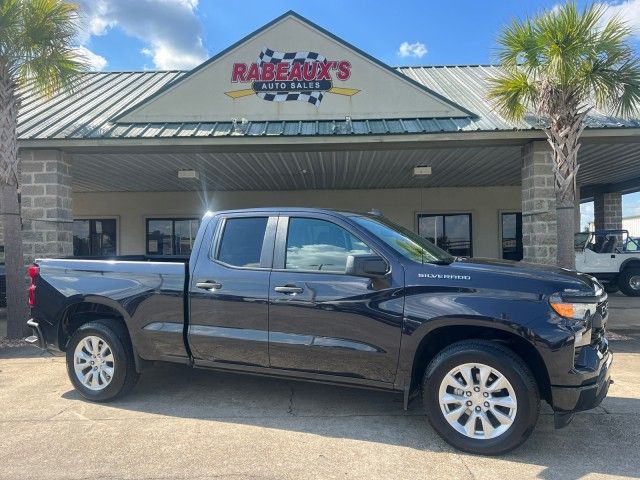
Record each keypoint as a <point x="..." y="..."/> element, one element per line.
<point x="289" y="289"/>
<point x="209" y="285"/>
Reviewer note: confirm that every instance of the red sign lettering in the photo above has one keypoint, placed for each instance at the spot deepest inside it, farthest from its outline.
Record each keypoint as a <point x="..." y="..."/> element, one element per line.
<point x="309" y="70"/>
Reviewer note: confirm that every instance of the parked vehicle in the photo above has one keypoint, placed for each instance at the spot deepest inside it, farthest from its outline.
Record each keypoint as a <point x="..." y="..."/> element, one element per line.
<point x="343" y="298"/>
<point x="613" y="257"/>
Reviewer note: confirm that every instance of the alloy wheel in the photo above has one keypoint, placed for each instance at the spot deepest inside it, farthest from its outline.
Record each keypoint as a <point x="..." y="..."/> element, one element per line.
<point x="478" y="401"/>
<point x="94" y="363"/>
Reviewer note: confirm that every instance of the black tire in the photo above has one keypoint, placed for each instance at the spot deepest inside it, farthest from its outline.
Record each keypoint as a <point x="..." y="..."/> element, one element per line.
<point x="511" y="367"/>
<point x="626" y="281"/>
<point x="125" y="375"/>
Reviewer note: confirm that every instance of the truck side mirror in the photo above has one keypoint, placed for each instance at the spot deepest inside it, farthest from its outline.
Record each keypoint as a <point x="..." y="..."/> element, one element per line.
<point x="366" y="266"/>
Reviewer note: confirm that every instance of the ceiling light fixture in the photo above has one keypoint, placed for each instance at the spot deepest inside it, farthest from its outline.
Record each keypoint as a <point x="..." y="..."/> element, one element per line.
<point x="188" y="174"/>
<point x="421" y="171"/>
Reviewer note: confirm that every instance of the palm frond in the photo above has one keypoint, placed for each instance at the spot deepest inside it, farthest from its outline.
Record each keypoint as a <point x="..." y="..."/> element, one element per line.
<point x="628" y="86"/>
<point x="9" y="28"/>
<point x="40" y="44"/>
<point x="518" y="45"/>
<point x="578" y="57"/>
<point x="52" y="70"/>
<point x="512" y="92"/>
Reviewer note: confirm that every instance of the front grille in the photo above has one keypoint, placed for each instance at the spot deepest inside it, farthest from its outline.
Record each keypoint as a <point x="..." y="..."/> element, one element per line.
<point x="598" y="334"/>
<point x="587" y="356"/>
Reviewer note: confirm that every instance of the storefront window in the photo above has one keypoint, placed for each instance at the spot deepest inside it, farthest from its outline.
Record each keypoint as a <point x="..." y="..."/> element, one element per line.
<point x="451" y="232"/>
<point x="171" y="236"/>
<point x="512" y="236"/>
<point x="94" y="237"/>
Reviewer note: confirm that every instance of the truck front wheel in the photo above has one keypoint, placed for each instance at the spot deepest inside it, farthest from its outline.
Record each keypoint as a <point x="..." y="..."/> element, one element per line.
<point x="100" y="360"/>
<point x="629" y="282"/>
<point x="480" y="397"/>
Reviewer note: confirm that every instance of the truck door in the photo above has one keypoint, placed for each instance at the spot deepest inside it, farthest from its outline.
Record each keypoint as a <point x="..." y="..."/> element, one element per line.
<point x="322" y="320"/>
<point x="229" y="291"/>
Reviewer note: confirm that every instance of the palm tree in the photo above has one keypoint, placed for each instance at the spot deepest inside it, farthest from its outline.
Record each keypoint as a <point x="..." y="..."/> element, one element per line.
<point x="35" y="53"/>
<point x="559" y="65"/>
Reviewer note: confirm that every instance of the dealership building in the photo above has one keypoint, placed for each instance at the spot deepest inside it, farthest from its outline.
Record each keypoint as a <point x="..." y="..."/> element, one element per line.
<point x="291" y="115"/>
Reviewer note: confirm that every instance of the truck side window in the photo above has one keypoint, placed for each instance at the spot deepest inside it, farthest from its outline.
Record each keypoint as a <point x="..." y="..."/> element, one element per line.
<point x="241" y="243"/>
<point x="320" y="245"/>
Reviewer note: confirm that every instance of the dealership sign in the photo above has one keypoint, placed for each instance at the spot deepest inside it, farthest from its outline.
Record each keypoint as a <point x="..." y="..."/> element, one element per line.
<point x="291" y="76"/>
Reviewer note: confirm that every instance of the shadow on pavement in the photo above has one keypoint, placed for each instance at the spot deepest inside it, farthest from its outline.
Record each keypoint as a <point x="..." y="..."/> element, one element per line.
<point x="603" y="441"/>
<point x="20" y="349"/>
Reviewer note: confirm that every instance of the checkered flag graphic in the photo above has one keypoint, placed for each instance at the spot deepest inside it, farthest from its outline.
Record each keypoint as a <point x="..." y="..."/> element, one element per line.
<point x="270" y="56"/>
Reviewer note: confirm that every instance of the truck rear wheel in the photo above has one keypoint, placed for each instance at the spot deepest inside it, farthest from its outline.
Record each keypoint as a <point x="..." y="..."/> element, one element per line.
<point x="480" y="397"/>
<point x="100" y="361"/>
<point x="629" y="282"/>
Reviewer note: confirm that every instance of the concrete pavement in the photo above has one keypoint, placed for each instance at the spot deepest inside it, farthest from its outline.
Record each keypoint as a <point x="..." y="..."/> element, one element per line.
<point x="624" y="312"/>
<point x="183" y="423"/>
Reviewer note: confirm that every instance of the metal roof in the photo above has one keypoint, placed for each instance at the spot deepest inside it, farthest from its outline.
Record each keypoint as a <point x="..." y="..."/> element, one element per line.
<point x="88" y="112"/>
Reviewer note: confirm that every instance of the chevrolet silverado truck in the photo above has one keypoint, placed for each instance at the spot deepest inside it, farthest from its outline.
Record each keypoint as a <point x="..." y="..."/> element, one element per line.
<point x="343" y="298"/>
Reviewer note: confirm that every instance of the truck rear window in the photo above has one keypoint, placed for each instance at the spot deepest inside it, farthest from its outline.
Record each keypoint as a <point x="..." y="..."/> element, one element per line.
<point x="241" y="243"/>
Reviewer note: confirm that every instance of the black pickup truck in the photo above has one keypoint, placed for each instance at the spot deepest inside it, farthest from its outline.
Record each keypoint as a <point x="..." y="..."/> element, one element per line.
<point x="344" y="298"/>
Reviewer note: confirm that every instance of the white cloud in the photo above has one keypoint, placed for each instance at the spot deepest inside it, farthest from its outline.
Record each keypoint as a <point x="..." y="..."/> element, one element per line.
<point x="631" y="204"/>
<point x="170" y="29"/>
<point x="417" y="50"/>
<point x="95" y="61"/>
<point x="556" y="8"/>
<point x="628" y="11"/>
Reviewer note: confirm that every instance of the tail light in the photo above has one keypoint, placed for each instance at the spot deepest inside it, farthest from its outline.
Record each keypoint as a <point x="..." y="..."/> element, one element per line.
<point x="34" y="271"/>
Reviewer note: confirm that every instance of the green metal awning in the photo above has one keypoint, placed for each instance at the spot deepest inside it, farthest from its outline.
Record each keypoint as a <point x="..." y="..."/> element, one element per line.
<point x="88" y="112"/>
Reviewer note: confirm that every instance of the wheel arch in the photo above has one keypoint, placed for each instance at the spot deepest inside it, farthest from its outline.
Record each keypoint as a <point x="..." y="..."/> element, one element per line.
<point x="88" y="309"/>
<point x="438" y="338"/>
<point x="630" y="263"/>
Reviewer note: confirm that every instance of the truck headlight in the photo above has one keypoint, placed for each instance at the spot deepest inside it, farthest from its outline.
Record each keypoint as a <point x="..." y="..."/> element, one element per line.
<point x="575" y="311"/>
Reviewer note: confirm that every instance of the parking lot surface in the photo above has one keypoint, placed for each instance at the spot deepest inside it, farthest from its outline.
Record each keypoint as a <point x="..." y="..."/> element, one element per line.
<point x="183" y="423"/>
<point x="624" y="312"/>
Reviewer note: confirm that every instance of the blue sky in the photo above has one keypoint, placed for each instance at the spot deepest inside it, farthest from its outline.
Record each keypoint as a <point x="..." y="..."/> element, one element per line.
<point x="170" y="34"/>
<point x="144" y="33"/>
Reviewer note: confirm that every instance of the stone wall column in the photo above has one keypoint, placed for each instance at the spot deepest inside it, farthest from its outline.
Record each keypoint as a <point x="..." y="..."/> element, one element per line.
<point x="607" y="210"/>
<point x="539" y="236"/>
<point x="47" y="205"/>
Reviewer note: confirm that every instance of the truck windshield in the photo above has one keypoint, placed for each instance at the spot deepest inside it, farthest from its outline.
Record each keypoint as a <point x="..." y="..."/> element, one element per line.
<point x="403" y="241"/>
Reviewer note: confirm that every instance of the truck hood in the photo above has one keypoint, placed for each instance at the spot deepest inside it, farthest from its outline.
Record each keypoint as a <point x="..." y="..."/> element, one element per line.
<point x="521" y="276"/>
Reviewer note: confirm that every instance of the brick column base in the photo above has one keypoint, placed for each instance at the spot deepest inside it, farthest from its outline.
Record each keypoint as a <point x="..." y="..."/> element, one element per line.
<point x="539" y="237"/>
<point x="47" y="210"/>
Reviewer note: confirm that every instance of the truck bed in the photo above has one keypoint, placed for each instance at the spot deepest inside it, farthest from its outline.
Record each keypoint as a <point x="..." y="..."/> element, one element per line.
<point x="148" y="294"/>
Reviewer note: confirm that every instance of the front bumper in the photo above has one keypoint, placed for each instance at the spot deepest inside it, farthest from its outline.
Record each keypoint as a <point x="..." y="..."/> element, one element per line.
<point x="577" y="399"/>
<point x="585" y="384"/>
